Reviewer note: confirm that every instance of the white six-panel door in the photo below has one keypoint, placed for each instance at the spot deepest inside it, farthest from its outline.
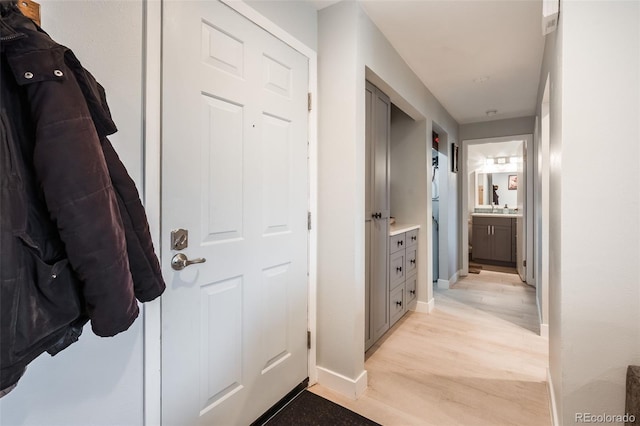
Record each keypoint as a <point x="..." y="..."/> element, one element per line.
<point x="235" y="175"/>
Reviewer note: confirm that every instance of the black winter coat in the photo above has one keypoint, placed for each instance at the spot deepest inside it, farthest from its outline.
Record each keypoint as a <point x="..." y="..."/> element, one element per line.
<point x="74" y="238"/>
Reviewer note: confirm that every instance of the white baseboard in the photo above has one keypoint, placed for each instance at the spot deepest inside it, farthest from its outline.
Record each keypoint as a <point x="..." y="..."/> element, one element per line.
<point x="544" y="330"/>
<point x="552" y="401"/>
<point x="348" y="387"/>
<point x="425" y="307"/>
<point x="454" y="279"/>
<point x="443" y="284"/>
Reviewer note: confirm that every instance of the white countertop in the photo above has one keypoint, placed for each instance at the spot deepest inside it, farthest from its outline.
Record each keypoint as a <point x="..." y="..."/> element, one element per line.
<point x="516" y="215"/>
<point x="396" y="228"/>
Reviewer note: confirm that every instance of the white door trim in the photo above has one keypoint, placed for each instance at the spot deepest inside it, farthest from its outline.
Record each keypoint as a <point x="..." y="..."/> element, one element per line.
<point x="152" y="146"/>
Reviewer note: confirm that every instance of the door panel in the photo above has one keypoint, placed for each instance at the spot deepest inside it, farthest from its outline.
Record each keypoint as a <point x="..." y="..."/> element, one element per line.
<point x="377" y="203"/>
<point x="234" y="174"/>
<point x="222" y="179"/>
<point x="381" y="154"/>
<point x="220" y="303"/>
<point x="502" y="243"/>
<point x="481" y="247"/>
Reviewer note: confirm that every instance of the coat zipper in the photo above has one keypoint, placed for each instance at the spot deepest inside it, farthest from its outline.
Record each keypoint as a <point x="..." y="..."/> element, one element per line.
<point x="11" y="37"/>
<point x="13" y="34"/>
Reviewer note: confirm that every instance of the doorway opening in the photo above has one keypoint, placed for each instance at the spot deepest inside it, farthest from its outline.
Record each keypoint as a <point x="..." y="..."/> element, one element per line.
<point x="444" y="201"/>
<point x="495" y="213"/>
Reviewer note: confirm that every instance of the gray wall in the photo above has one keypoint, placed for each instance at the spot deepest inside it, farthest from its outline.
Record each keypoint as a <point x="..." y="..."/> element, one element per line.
<point x="96" y="381"/>
<point x="594" y="291"/>
<point x="497" y="128"/>
<point x="409" y="178"/>
<point x="451" y="221"/>
<point x="340" y="258"/>
<point x="351" y="49"/>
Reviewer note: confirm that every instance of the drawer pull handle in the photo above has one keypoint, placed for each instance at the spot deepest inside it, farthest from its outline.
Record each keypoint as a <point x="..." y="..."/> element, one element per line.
<point x="413" y="261"/>
<point x="399" y="303"/>
<point x="413" y="238"/>
<point x="398" y="268"/>
<point x="412" y="292"/>
<point x="400" y="242"/>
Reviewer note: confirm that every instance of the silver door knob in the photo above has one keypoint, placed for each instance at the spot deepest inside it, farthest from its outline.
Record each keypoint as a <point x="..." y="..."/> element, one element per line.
<point x="180" y="261"/>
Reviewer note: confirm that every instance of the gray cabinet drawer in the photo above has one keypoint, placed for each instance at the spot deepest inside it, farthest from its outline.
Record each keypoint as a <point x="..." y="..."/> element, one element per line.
<point x="410" y="260"/>
<point x="397" y="243"/>
<point x="403" y="273"/>
<point x="397" y="306"/>
<point x="396" y="269"/>
<point x="411" y="238"/>
<point x="411" y="287"/>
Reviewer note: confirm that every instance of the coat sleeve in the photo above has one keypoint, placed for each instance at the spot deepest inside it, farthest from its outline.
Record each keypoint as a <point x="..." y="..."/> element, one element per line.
<point x="70" y="167"/>
<point x="143" y="262"/>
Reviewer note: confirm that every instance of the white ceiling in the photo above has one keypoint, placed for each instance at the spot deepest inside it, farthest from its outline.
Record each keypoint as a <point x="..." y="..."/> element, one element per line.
<point x="450" y="44"/>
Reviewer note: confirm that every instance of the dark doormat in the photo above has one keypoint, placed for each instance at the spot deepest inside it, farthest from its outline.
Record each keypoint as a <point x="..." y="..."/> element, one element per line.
<point x="309" y="409"/>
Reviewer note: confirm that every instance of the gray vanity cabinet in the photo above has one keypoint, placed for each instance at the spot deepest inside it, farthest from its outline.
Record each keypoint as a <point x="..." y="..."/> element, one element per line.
<point x="492" y="239"/>
<point x="377" y="137"/>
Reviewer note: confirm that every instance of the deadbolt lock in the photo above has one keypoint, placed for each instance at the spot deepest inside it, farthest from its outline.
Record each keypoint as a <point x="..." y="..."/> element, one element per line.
<point x="179" y="239"/>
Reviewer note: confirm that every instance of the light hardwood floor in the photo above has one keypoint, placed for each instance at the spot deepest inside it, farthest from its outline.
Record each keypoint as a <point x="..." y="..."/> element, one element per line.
<point x="477" y="359"/>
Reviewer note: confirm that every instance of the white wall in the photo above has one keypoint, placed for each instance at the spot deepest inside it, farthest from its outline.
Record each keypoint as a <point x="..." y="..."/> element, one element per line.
<point x="497" y="128"/>
<point x="351" y="49"/>
<point x="96" y="381"/>
<point x="550" y="259"/>
<point x="594" y="290"/>
<point x="298" y="18"/>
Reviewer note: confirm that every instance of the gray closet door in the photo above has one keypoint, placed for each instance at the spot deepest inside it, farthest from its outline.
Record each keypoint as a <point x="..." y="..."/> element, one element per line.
<point x="377" y="135"/>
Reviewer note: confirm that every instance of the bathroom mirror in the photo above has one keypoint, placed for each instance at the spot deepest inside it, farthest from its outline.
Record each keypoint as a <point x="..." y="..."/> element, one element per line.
<point x="506" y="190"/>
<point x="483" y="194"/>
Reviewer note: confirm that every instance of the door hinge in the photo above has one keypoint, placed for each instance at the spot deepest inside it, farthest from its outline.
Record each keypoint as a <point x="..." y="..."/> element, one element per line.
<point x="309" y="101"/>
<point x="308" y="339"/>
<point x="524" y="263"/>
<point x="309" y="221"/>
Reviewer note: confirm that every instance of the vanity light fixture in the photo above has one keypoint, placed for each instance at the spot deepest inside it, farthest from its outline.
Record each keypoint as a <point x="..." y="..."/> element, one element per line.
<point x="489" y="161"/>
<point x="502" y="160"/>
